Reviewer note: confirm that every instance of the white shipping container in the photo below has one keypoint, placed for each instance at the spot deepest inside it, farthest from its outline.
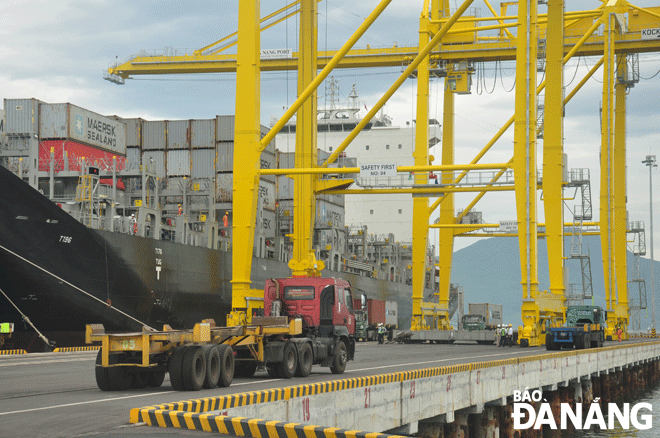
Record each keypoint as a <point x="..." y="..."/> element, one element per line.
<point x="202" y="133"/>
<point x="64" y="120"/>
<point x="224" y="130"/>
<point x="157" y="158"/>
<point x="178" y="134"/>
<point x="203" y="163"/>
<point x="178" y="162"/>
<point x="267" y="194"/>
<point x="223" y="186"/>
<point x="133" y="132"/>
<point x="133" y="158"/>
<point x="391" y="313"/>
<point x="225" y="156"/>
<point x="22" y="116"/>
<point x="153" y="135"/>
<point x="267" y="161"/>
<point x="266" y="222"/>
<point x="284" y="187"/>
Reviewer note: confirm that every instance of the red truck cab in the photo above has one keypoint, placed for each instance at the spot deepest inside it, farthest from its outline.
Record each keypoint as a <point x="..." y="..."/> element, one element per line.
<point x="322" y="303"/>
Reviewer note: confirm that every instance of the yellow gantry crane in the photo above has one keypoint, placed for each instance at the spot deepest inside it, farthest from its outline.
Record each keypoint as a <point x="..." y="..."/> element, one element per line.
<point x="452" y="42"/>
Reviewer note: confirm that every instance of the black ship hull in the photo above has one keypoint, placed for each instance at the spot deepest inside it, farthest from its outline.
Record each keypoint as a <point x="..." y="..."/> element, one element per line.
<point x="63" y="275"/>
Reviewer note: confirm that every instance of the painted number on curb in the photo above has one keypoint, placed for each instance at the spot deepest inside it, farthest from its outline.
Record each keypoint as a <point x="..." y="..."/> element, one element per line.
<point x="305" y="406"/>
<point x="448" y="383"/>
<point x="478" y="376"/>
<point x="367" y="397"/>
<point x="412" y="389"/>
<point x="503" y="373"/>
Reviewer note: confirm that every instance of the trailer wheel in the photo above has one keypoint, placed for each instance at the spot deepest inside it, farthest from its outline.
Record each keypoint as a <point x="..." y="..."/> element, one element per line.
<point x="193" y="370"/>
<point x="245" y="368"/>
<point x="287" y="368"/>
<point x="156" y="378"/>
<point x="139" y="377"/>
<point x="102" y="379"/>
<point x="550" y="343"/>
<point x="341" y="357"/>
<point x="579" y="342"/>
<point x="212" y="358"/>
<point x="175" y="366"/>
<point x="305" y="361"/>
<point x="227" y="365"/>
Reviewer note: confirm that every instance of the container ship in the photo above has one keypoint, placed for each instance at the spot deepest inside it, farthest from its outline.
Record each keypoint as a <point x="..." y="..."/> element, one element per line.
<point x="127" y="222"/>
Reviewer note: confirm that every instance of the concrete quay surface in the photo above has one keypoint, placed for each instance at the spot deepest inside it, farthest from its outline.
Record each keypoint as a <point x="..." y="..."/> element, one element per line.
<point x="55" y="394"/>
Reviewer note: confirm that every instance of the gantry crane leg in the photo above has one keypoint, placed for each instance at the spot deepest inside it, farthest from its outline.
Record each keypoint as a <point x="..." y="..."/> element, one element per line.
<point x="247" y="153"/>
<point x="619" y="180"/>
<point x="420" y="225"/>
<point x="304" y="261"/>
<point x="524" y="165"/>
<point x="447" y="214"/>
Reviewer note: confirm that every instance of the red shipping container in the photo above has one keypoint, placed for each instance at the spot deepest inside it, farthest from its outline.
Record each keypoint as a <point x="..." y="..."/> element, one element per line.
<point x="376" y="311"/>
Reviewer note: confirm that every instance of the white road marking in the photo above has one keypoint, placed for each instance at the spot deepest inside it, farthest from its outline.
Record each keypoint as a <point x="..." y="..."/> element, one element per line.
<point x="112" y="399"/>
<point x="32" y="362"/>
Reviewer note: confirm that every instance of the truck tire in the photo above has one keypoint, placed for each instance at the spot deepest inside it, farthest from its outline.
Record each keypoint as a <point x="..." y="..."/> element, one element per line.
<point x="245" y="368"/>
<point x="212" y="359"/>
<point x="193" y="370"/>
<point x="139" y="377"/>
<point x="550" y="342"/>
<point x="156" y="378"/>
<point x="305" y="360"/>
<point x="579" y="342"/>
<point x="287" y="368"/>
<point x="586" y="341"/>
<point x="102" y="379"/>
<point x="175" y="367"/>
<point x="341" y="357"/>
<point x="227" y="365"/>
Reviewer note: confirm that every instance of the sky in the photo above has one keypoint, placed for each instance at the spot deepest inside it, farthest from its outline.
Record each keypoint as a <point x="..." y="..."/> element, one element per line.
<point x="57" y="51"/>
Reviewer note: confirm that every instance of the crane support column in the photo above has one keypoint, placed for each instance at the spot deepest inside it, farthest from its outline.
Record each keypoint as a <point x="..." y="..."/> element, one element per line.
<point x="553" y="148"/>
<point x="447" y="214"/>
<point x="620" y="220"/>
<point x="524" y="167"/>
<point x="606" y="171"/>
<point x="304" y="261"/>
<point x="420" y="225"/>
<point x="247" y="155"/>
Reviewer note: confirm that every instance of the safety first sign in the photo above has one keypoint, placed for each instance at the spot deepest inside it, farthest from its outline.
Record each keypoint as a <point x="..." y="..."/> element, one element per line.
<point x="651" y="34"/>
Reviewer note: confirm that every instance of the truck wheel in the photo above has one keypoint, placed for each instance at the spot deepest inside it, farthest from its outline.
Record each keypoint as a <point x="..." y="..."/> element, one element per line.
<point x="341" y="357"/>
<point x="305" y="361"/>
<point x="212" y="359"/>
<point x="139" y="377"/>
<point x="193" y="370"/>
<point x="102" y="379"/>
<point x="156" y="379"/>
<point x="245" y="368"/>
<point x="579" y="342"/>
<point x="175" y="367"/>
<point x="586" y="341"/>
<point x="287" y="368"/>
<point x="227" y="365"/>
<point x="549" y="342"/>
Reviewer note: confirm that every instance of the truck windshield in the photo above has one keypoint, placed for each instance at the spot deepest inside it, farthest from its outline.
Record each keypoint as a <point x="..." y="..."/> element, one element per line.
<point x="299" y="293"/>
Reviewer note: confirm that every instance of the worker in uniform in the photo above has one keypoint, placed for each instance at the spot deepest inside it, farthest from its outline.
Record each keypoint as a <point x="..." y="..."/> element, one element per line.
<point x="132" y="225"/>
<point x="225" y="219"/>
<point x="619" y="332"/>
<point x="509" y="335"/>
<point x="180" y="210"/>
<point x="503" y="336"/>
<point x="381" y="333"/>
<point x="498" y="335"/>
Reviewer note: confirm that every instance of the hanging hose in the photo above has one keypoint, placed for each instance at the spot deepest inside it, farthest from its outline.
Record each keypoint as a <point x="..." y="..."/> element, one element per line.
<point x="26" y="319"/>
<point x="105" y="303"/>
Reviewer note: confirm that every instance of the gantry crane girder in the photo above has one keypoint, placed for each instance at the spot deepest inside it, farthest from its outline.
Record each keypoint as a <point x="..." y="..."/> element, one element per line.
<point x="477" y="51"/>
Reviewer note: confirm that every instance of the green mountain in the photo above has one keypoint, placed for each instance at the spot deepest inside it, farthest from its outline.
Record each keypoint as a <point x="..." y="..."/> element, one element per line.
<point x="489" y="272"/>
